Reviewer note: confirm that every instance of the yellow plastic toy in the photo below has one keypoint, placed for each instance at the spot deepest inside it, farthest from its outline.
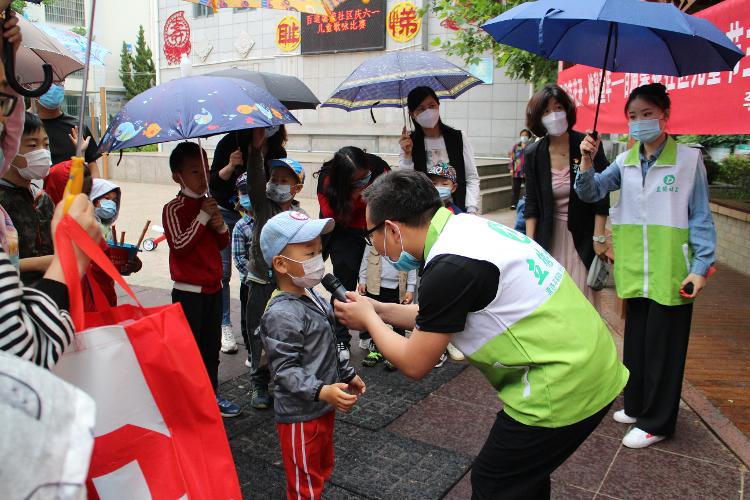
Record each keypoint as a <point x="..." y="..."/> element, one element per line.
<point x="75" y="182"/>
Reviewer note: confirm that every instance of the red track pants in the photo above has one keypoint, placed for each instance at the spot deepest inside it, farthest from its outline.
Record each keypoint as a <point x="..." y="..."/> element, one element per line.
<point x="307" y="451"/>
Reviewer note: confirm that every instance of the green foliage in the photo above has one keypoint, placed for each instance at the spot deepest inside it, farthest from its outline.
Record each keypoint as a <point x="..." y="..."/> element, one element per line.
<point x="148" y="148"/>
<point x="735" y="169"/>
<point x="715" y="141"/>
<point x="712" y="169"/>
<point x="20" y="5"/>
<point x="79" y="30"/>
<point x="471" y="42"/>
<point x="137" y="72"/>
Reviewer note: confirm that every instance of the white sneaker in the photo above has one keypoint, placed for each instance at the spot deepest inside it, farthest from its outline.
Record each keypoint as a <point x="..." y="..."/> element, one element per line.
<point x="454" y="353"/>
<point x="248" y="363"/>
<point x="441" y="361"/>
<point x="637" y="438"/>
<point x="623" y="418"/>
<point x="365" y="344"/>
<point x="228" y="344"/>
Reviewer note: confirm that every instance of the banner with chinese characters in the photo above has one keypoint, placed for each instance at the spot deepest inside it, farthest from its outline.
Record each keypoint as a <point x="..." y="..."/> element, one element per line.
<point x="176" y="37"/>
<point x="287" y="34"/>
<point x="356" y="25"/>
<point x="710" y="103"/>
<point x="404" y="21"/>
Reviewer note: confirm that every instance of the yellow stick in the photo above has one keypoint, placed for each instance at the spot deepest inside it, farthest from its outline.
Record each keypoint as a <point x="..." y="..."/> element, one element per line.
<point x="75" y="182"/>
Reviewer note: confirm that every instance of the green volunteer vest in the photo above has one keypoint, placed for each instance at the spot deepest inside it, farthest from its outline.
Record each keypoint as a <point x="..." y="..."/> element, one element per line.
<point x="540" y="343"/>
<point x="650" y="224"/>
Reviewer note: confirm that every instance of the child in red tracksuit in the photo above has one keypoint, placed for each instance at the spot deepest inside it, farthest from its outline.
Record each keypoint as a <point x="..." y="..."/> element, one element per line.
<point x="196" y="234"/>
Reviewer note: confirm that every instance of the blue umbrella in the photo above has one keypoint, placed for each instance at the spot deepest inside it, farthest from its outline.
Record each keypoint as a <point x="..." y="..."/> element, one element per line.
<point x="76" y="44"/>
<point x="386" y="81"/>
<point x="193" y="107"/>
<point x="617" y="35"/>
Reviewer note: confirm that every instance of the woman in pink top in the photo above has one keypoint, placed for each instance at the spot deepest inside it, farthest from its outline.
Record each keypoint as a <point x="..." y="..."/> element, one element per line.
<point x="568" y="228"/>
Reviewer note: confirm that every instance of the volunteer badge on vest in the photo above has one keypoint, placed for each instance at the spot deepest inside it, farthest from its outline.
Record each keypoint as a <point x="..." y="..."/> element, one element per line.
<point x="668" y="186"/>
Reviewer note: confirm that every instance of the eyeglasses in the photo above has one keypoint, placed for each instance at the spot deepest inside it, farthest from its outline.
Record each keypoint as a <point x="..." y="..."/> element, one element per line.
<point x="7" y="103"/>
<point x="368" y="235"/>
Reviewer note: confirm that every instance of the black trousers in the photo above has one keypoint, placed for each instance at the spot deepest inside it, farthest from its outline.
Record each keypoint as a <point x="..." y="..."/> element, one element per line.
<point x="203" y="312"/>
<point x="517" y="181"/>
<point x="258" y="296"/>
<point x="387" y="296"/>
<point x="244" y="292"/>
<point x="345" y="247"/>
<point x="516" y="460"/>
<point x="656" y="343"/>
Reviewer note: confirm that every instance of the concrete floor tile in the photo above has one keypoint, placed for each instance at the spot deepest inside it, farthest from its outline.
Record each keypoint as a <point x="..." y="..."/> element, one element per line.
<point x="587" y="467"/>
<point x="650" y="473"/>
<point x="471" y="387"/>
<point x="447" y="423"/>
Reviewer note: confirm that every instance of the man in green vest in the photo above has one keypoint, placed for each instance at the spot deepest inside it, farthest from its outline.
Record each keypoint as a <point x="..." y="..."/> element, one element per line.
<point x="512" y="310"/>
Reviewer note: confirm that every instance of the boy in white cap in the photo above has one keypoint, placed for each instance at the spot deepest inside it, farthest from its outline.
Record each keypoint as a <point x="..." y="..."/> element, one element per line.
<point x="311" y="382"/>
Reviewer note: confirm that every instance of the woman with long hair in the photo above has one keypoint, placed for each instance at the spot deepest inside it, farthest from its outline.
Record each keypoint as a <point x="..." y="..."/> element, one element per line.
<point x="433" y="142"/>
<point x="341" y="181"/>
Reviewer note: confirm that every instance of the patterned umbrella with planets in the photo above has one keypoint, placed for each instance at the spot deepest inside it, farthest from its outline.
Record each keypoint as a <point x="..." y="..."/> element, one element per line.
<point x="190" y="108"/>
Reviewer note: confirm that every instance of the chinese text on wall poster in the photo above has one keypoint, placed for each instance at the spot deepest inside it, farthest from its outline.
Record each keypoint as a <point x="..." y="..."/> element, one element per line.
<point x="354" y="26"/>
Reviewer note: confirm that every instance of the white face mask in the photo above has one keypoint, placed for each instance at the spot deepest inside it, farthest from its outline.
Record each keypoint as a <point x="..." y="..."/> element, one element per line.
<point x="428" y="118"/>
<point x="38" y="163"/>
<point x="556" y="123"/>
<point x="189" y="192"/>
<point x="314" y="268"/>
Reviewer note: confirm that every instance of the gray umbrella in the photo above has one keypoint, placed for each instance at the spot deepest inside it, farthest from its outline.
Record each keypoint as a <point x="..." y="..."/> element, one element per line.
<point x="290" y="90"/>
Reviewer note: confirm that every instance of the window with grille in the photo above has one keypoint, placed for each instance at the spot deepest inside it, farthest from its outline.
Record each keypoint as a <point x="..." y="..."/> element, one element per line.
<point x="202" y="11"/>
<point x="69" y="12"/>
<point x="72" y="105"/>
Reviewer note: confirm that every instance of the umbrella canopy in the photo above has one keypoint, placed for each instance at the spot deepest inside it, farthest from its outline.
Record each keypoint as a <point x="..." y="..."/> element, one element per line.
<point x="38" y="48"/>
<point x="75" y="43"/>
<point x="193" y="107"/>
<point x="308" y="6"/>
<point x="637" y="36"/>
<point x="386" y="81"/>
<point x="290" y="90"/>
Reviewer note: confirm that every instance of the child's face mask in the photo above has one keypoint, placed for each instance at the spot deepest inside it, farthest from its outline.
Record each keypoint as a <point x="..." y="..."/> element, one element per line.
<point x="106" y="211"/>
<point x="314" y="268"/>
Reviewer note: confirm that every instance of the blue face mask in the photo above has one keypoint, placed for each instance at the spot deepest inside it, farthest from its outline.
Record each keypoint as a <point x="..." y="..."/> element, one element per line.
<point x="362" y="182"/>
<point x="444" y="192"/>
<point x="245" y="202"/>
<point x="406" y="262"/>
<point x="645" y="130"/>
<point x="106" y="211"/>
<point x="54" y="97"/>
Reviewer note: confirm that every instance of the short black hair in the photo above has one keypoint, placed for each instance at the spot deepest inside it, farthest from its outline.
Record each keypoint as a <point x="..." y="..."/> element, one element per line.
<point x="182" y="151"/>
<point x="32" y="124"/>
<point x="538" y="105"/>
<point x="527" y="132"/>
<point x="407" y="196"/>
<point x="653" y="93"/>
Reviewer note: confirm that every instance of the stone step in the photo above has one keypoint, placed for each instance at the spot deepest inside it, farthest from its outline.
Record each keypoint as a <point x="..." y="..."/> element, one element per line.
<point x="495" y="181"/>
<point x="496" y="198"/>
<point x="492" y="169"/>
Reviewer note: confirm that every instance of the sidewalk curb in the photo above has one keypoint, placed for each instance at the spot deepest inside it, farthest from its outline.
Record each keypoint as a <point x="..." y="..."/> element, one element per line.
<point x="733" y="438"/>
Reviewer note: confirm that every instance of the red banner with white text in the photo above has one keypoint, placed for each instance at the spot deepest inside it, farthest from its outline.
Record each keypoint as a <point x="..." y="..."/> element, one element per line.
<point x="709" y="103"/>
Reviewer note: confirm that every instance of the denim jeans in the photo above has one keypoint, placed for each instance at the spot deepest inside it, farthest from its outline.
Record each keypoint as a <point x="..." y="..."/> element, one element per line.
<point x="230" y="219"/>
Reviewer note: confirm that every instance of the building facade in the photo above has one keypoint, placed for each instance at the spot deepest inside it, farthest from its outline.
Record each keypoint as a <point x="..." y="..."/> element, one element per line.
<point x="491" y="114"/>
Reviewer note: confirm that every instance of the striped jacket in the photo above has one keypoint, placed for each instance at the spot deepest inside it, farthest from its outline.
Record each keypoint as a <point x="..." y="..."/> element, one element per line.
<point x="34" y="322"/>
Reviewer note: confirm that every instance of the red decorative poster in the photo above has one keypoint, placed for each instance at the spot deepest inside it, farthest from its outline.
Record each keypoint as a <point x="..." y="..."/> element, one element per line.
<point x="176" y="37"/>
<point x="710" y="103"/>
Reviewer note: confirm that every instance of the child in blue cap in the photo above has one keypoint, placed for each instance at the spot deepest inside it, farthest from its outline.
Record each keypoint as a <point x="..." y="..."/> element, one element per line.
<point x="311" y="381"/>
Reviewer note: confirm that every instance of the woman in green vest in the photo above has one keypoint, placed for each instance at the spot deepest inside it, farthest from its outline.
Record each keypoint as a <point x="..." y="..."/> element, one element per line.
<point x="664" y="241"/>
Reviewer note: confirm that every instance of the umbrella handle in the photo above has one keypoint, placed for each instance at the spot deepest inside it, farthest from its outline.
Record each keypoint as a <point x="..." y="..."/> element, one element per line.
<point x="10" y="72"/>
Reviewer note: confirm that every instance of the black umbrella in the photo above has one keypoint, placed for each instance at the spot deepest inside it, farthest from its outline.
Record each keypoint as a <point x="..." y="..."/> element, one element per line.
<point x="290" y="90"/>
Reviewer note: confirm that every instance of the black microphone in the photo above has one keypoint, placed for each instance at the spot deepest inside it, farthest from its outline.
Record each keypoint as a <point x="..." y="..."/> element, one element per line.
<point x="334" y="286"/>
